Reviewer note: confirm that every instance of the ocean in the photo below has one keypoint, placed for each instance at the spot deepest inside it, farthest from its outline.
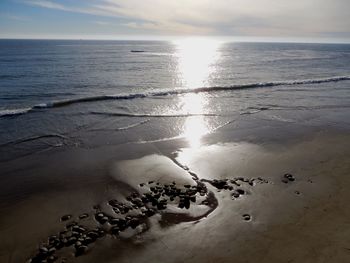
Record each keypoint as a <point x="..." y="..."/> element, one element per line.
<point x="57" y="93"/>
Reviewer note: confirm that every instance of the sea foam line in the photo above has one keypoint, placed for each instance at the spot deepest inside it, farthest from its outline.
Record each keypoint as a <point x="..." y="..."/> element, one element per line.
<point x="62" y="103"/>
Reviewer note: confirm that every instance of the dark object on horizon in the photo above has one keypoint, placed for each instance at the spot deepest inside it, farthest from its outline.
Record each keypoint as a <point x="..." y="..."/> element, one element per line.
<point x="137" y="51"/>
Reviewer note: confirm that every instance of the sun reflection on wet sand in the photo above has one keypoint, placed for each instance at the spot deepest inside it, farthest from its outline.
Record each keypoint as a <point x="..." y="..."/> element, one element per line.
<point x="195" y="126"/>
<point x="196" y="63"/>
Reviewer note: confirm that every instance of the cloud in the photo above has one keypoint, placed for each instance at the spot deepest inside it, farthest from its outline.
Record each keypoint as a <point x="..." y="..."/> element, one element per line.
<point x="46" y="4"/>
<point x="14" y="17"/>
<point x="221" y="17"/>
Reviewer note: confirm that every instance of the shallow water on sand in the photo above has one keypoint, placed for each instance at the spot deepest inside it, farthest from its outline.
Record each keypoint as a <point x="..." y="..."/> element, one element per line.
<point x="218" y="228"/>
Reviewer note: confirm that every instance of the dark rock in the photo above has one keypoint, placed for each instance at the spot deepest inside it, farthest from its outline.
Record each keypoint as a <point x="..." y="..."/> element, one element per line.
<point x="83" y="216"/>
<point x="240" y="191"/>
<point x="80" y="250"/>
<point x="115" y="230"/>
<point x="43" y="250"/>
<point x="219" y="184"/>
<point x="289" y="177"/>
<point x="134" y="222"/>
<point x="52" y="258"/>
<point x="150" y="212"/>
<point x="246" y="217"/>
<point x="284" y="180"/>
<point x="66" y="217"/>
<point x="93" y="235"/>
<point x="71" y="224"/>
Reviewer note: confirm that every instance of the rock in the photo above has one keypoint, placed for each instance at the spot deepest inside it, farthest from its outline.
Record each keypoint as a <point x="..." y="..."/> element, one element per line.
<point x="289" y="177"/>
<point x="52" y="258"/>
<point x="134" y="222"/>
<point x="66" y="217"/>
<point x="43" y="250"/>
<point x="83" y="216"/>
<point x="150" y="212"/>
<point x="115" y="230"/>
<point x="93" y="235"/>
<point x="71" y="224"/>
<point x="80" y="250"/>
<point x="219" y="184"/>
<point x="246" y="217"/>
<point x="284" y="180"/>
<point x="240" y="191"/>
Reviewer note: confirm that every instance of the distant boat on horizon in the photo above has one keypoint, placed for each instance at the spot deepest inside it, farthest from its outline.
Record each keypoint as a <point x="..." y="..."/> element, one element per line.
<point x="137" y="51"/>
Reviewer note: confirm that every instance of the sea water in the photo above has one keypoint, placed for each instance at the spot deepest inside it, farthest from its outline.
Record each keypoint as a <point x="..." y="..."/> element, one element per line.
<point x="61" y="93"/>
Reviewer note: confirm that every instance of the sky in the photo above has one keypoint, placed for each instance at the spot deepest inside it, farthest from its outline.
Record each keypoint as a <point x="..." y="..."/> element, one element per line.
<point x="309" y="20"/>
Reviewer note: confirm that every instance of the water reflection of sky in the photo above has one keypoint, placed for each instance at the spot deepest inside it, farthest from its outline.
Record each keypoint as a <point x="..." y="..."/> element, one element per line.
<point x="196" y="63"/>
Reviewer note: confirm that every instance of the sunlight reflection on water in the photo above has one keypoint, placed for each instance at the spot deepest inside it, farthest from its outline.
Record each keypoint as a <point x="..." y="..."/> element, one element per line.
<point x="196" y="62"/>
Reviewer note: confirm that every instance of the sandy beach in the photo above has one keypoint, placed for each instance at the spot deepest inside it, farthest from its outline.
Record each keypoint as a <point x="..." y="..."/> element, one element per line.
<point x="234" y="198"/>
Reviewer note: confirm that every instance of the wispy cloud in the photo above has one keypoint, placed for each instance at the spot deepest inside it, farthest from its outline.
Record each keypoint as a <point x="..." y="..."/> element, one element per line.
<point x="102" y="23"/>
<point x="14" y="17"/>
<point x="47" y="4"/>
<point x="240" y="17"/>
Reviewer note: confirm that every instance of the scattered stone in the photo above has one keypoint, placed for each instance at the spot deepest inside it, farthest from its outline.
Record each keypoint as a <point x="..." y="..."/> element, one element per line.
<point x="158" y="197"/>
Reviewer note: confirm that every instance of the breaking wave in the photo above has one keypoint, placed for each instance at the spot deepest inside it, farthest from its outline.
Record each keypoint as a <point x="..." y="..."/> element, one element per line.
<point x="62" y="103"/>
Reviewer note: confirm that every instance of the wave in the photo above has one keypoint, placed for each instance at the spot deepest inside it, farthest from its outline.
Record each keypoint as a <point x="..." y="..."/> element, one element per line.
<point x="14" y="112"/>
<point x="142" y="115"/>
<point x="161" y="93"/>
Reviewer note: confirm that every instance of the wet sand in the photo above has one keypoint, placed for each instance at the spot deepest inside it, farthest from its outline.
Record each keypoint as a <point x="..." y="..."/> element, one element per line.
<point x="225" y="201"/>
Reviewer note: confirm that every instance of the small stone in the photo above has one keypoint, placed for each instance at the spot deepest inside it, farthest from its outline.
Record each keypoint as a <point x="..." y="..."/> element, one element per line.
<point x="43" y="250"/>
<point x="115" y="230"/>
<point x="80" y="250"/>
<point x="246" y="217"/>
<point x="284" y="180"/>
<point x="66" y="217"/>
<point x="134" y="222"/>
<point x="83" y="216"/>
<point x="240" y="191"/>
<point x="289" y="177"/>
<point x="52" y="258"/>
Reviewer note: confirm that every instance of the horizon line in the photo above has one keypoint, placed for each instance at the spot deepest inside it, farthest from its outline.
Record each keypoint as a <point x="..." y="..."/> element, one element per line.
<point x="299" y="40"/>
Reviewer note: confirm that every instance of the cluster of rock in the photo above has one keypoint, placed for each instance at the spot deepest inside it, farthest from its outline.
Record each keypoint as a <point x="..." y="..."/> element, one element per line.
<point x="136" y="210"/>
<point x="234" y="184"/>
<point x="148" y="204"/>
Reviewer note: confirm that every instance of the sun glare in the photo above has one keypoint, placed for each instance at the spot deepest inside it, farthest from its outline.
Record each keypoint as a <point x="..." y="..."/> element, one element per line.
<point x="196" y="62"/>
<point x="196" y="57"/>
